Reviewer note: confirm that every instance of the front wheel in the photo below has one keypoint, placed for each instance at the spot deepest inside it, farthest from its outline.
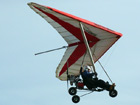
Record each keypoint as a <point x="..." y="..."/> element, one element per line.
<point x="113" y="93"/>
<point x="75" y="99"/>
<point x="72" y="91"/>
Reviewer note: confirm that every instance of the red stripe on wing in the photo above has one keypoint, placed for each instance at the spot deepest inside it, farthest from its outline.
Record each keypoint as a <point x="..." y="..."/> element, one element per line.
<point x="70" y="28"/>
<point x="77" y="53"/>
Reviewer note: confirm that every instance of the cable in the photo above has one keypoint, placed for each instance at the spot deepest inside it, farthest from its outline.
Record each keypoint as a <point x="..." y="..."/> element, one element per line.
<point x="105" y="71"/>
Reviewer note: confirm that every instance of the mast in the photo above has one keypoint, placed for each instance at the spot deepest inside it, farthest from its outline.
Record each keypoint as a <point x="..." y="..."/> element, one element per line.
<point x="87" y="46"/>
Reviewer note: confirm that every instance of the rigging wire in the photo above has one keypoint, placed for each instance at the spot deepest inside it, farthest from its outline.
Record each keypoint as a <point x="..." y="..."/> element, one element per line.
<point x="104" y="70"/>
<point x="111" y="53"/>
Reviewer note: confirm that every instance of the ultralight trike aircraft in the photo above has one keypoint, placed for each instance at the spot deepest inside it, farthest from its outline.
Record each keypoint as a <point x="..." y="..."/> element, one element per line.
<point x="87" y="43"/>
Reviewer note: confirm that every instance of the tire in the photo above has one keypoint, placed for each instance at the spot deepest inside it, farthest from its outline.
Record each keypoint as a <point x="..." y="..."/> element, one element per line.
<point x="72" y="91"/>
<point x="75" y="99"/>
<point x="113" y="93"/>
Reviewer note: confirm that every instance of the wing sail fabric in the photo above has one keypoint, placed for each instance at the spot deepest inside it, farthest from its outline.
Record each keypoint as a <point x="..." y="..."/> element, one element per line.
<point x="100" y="38"/>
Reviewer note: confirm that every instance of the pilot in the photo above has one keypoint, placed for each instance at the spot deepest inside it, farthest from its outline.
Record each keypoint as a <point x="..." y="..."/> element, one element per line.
<point x="91" y="82"/>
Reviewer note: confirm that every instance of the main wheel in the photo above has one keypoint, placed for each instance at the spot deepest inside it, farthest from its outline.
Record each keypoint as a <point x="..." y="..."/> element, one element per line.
<point x="72" y="91"/>
<point x="113" y="93"/>
<point x="75" y="99"/>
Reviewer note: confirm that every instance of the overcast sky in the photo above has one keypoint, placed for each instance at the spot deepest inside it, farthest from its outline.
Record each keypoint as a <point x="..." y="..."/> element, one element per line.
<point x="26" y="79"/>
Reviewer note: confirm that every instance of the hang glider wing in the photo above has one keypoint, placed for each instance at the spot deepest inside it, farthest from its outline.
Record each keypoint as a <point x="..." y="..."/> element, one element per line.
<point x="100" y="38"/>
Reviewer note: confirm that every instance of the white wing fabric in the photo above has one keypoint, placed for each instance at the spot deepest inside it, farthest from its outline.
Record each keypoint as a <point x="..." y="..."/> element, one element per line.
<point x="100" y="38"/>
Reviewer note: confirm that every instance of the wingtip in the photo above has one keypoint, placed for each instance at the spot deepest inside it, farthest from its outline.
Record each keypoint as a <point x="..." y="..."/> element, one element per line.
<point x="32" y="4"/>
<point x="29" y="3"/>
